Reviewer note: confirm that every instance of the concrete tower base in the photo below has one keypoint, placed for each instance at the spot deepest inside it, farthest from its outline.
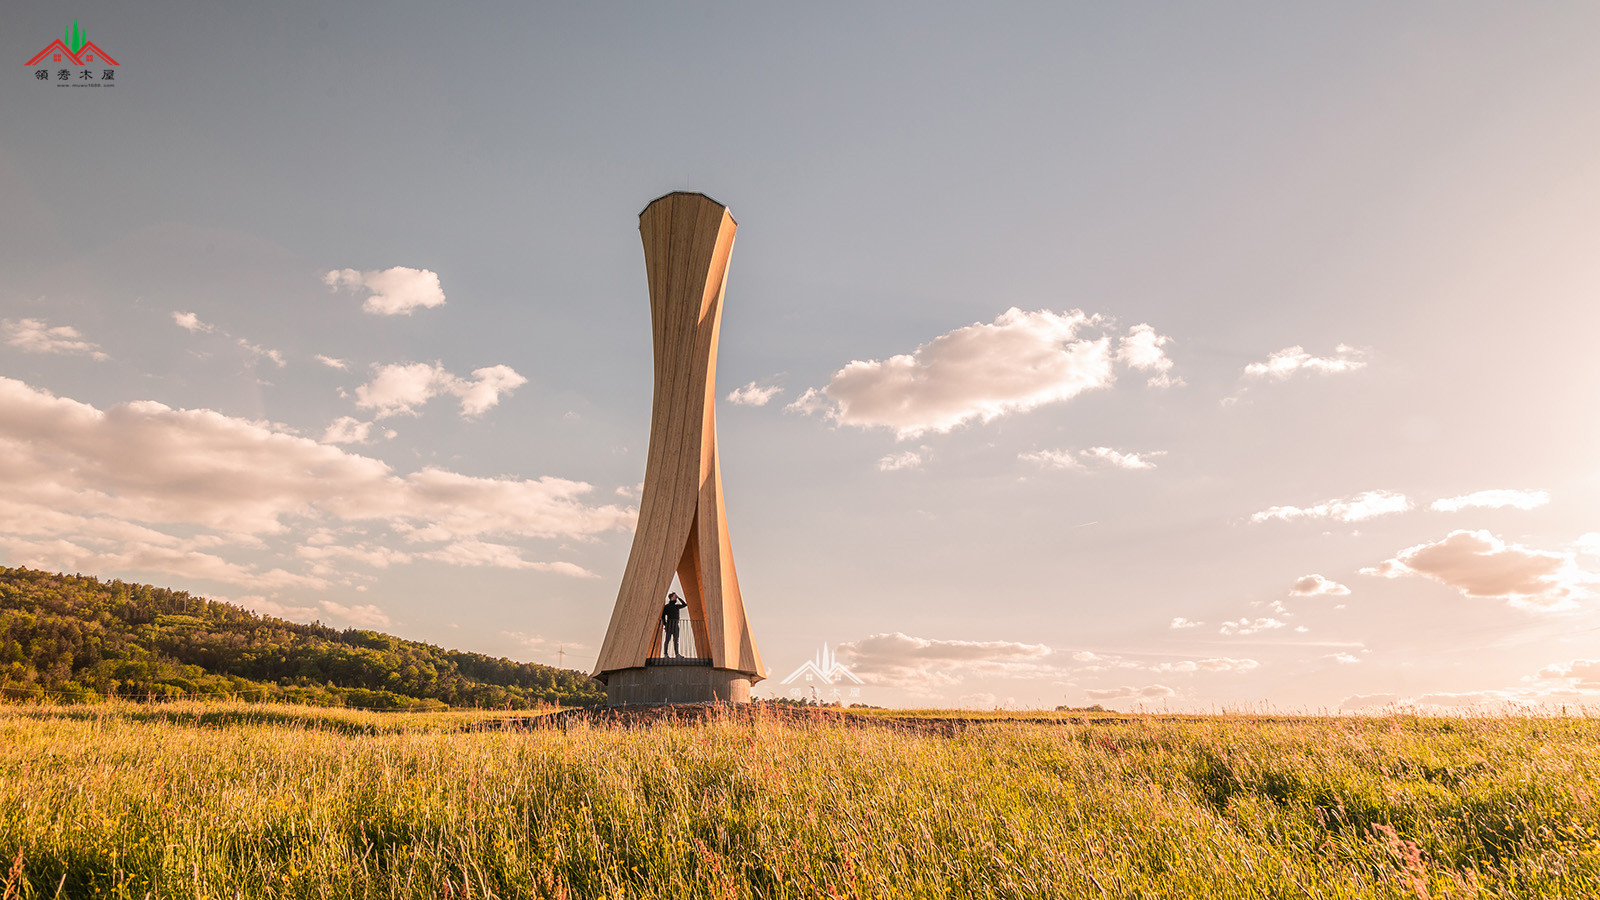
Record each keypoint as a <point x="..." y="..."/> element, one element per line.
<point x="654" y="685"/>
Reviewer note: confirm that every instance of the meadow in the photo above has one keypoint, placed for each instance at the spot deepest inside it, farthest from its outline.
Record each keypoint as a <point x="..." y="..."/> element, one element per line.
<point x="218" y="800"/>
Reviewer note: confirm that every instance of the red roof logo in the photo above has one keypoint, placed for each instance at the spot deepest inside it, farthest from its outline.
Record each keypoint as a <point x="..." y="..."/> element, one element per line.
<point x="74" y="47"/>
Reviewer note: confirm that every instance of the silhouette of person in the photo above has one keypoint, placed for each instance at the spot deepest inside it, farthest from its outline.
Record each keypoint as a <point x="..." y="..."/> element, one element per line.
<point x="669" y="621"/>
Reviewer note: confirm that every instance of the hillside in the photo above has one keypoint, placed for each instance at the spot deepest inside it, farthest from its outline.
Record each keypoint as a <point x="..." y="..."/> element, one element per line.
<point x="76" y="638"/>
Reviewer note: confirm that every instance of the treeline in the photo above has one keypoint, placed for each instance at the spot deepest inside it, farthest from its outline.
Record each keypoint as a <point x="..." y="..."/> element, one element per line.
<point x="72" y="638"/>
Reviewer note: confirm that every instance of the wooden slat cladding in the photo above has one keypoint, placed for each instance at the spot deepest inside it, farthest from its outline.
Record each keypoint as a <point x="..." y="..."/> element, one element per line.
<point x="688" y="240"/>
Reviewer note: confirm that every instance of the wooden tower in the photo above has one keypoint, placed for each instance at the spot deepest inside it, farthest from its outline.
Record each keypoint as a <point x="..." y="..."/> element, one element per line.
<point x="683" y="527"/>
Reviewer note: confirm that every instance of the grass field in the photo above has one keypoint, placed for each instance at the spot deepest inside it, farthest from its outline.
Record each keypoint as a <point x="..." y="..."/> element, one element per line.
<point x="226" y="801"/>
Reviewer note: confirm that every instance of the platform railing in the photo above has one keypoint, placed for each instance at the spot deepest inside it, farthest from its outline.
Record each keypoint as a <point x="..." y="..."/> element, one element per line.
<point x="675" y="644"/>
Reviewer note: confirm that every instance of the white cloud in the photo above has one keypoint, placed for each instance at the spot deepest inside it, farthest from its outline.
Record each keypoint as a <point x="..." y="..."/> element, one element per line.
<point x="1227" y="664"/>
<point x="394" y="292"/>
<point x="1478" y="564"/>
<point x="1315" y="585"/>
<point x="191" y="322"/>
<point x="1090" y="661"/>
<point x="1130" y="692"/>
<point x="812" y="401"/>
<point x="1052" y="459"/>
<point x="402" y="387"/>
<point x="899" y="660"/>
<point x="1494" y="499"/>
<point x="1120" y="459"/>
<point x="258" y="352"/>
<point x="347" y="430"/>
<point x="1100" y="456"/>
<point x="1181" y="622"/>
<point x="1344" y="658"/>
<point x="754" y="394"/>
<point x="1250" y="626"/>
<point x="910" y="459"/>
<point x="1577" y="674"/>
<point x="1356" y="509"/>
<point x="37" y="336"/>
<point x="483" y="391"/>
<point x="332" y="363"/>
<point x="1213" y="664"/>
<point x="1290" y="361"/>
<point x="1142" y="349"/>
<point x="378" y="557"/>
<point x="18" y="516"/>
<point x="483" y="553"/>
<point x="1450" y="702"/>
<point x="1588" y="544"/>
<point x="471" y="553"/>
<point x="1020" y="361"/>
<point x="254" y="352"/>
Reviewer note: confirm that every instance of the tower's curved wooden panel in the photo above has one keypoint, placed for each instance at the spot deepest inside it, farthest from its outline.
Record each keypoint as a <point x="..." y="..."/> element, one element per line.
<point x="683" y="528"/>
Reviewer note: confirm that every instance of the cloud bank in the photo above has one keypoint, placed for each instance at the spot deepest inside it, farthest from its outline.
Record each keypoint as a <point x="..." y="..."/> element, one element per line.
<point x="900" y="660"/>
<point x="86" y="489"/>
<point x="1020" y="361"/>
<point x="1148" y="693"/>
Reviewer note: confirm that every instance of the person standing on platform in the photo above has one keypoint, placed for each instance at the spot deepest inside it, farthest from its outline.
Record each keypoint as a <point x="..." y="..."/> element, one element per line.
<point x="669" y="622"/>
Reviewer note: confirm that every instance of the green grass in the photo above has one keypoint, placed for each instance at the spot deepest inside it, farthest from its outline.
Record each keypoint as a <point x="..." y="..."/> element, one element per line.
<point x="250" y="801"/>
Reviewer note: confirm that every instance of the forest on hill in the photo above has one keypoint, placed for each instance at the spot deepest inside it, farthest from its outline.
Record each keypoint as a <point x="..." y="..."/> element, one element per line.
<point x="73" y="638"/>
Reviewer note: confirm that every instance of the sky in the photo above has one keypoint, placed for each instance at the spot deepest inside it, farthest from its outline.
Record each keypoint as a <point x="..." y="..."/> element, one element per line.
<point x="1233" y="356"/>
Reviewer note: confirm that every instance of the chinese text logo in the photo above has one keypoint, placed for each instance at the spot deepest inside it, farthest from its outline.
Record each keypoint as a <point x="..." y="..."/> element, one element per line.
<point x="71" y="59"/>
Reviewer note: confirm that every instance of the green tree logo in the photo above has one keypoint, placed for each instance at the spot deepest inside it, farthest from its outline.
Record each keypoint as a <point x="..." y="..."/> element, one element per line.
<point x="74" y="44"/>
<point x="75" y="37"/>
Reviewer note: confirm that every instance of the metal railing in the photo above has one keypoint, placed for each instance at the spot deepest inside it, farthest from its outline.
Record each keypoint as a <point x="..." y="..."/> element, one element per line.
<point x="676" y="645"/>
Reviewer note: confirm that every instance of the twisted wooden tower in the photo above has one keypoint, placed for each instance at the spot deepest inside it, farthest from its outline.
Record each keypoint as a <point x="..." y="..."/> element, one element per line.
<point x="683" y="527"/>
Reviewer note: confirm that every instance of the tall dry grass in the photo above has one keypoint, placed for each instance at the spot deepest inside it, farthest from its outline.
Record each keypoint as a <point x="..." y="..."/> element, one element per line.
<point x="249" y="801"/>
